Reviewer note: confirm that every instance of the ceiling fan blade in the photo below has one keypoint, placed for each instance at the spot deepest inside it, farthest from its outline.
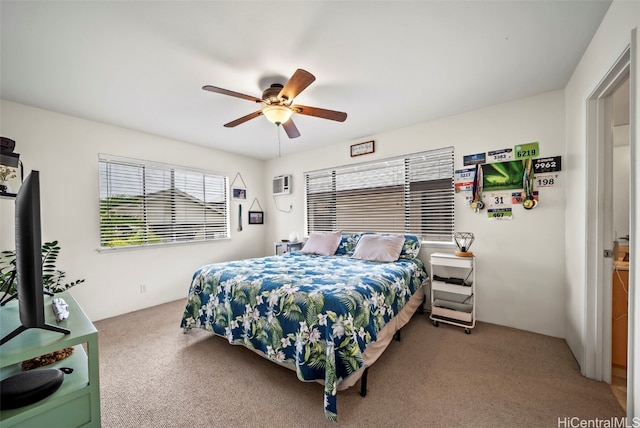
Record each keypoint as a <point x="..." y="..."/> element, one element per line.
<point x="291" y="129"/>
<point x="320" y="112"/>
<point x="232" y="93"/>
<point x="296" y="84"/>
<point x="243" y="119"/>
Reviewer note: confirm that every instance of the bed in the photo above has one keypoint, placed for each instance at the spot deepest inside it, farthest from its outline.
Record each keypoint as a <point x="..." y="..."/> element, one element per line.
<point x="322" y="312"/>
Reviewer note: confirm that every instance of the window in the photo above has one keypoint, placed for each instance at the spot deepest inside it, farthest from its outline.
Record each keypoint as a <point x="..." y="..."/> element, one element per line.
<point x="143" y="203"/>
<point x="411" y="194"/>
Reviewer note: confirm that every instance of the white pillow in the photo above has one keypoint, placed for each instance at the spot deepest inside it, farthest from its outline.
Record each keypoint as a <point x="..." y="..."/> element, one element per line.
<point x="323" y="243"/>
<point x="379" y="248"/>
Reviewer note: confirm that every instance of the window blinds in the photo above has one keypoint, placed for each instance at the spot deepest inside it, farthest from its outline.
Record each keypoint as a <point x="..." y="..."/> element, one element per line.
<point x="143" y="203"/>
<point x="412" y="194"/>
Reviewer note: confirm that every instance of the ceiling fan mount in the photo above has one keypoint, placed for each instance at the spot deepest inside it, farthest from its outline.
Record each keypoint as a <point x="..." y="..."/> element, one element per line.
<point x="271" y="94"/>
<point x="278" y="104"/>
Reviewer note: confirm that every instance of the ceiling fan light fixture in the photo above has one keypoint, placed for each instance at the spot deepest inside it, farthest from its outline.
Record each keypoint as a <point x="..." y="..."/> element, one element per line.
<point x="277" y="114"/>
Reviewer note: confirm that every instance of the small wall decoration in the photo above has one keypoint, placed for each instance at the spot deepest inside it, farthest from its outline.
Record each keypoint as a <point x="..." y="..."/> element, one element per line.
<point x="506" y="178"/>
<point x="476" y="202"/>
<point x="552" y="164"/>
<point x="500" y="214"/>
<point x="529" y="201"/>
<point x="502" y="175"/>
<point x="475" y="159"/>
<point x="362" y="148"/>
<point x="238" y="191"/>
<point x="527" y="151"/>
<point x="502" y="155"/>
<point x="499" y="205"/>
<point x="551" y="179"/>
<point x="256" y="217"/>
<point x="517" y="198"/>
<point x="546" y="171"/>
<point x="463" y="180"/>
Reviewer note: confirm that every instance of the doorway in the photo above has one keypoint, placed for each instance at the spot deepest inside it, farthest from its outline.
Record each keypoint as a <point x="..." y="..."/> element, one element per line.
<point x="600" y="233"/>
<point x="620" y="101"/>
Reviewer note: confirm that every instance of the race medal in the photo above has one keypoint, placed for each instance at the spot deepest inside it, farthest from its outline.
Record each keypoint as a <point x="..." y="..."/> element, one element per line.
<point x="477" y="204"/>
<point x="529" y="203"/>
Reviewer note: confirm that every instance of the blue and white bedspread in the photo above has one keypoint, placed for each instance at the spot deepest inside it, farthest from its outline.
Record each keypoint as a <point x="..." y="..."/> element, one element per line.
<point x="316" y="313"/>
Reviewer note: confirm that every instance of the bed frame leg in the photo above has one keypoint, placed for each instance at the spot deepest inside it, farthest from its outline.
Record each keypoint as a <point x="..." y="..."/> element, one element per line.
<point x="421" y="307"/>
<point x="363" y="383"/>
<point x="398" y="335"/>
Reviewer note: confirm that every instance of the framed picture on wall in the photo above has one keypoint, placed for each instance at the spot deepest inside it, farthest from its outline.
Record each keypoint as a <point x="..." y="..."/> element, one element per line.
<point x="362" y="148"/>
<point x="239" y="193"/>
<point x="502" y="175"/>
<point x="256" y="217"/>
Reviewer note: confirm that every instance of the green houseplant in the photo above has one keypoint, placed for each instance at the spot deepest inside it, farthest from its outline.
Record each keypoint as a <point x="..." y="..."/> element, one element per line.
<point x="53" y="279"/>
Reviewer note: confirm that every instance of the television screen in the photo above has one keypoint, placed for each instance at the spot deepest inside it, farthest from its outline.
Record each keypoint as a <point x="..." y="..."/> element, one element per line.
<point x="29" y="259"/>
<point x="29" y="252"/>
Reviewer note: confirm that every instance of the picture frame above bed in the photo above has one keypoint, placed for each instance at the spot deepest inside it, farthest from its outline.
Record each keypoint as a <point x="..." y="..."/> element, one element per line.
<point x="362" y="148"/>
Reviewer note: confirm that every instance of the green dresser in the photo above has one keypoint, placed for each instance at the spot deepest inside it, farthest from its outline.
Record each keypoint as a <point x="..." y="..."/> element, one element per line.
<point x="77" y="402"/>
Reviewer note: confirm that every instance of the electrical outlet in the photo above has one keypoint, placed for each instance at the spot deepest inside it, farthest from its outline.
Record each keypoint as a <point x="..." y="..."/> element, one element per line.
<point x="143" y="288"/>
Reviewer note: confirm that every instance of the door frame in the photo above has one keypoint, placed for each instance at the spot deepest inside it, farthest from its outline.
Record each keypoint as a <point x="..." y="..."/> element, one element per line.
<point x="599" y="224"/>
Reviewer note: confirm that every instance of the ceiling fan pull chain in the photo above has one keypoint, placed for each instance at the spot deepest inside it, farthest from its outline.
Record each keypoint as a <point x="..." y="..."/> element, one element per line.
<point x="279" y="142"/>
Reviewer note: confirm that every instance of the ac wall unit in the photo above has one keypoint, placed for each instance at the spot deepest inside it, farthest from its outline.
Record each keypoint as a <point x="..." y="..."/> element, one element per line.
<point x="282" y="185"/>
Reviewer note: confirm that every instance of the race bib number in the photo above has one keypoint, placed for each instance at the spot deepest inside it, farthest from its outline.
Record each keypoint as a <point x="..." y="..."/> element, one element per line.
<point x="526" y="151"/>
<point x="500" y="214"/>
<point x="553" y="164"/>
<point x="500" y="155"/>
<point x="547" y="180"/>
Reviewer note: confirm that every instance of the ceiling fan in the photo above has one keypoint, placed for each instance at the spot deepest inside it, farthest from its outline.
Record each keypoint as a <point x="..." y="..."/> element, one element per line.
<point x="278" y="104"/>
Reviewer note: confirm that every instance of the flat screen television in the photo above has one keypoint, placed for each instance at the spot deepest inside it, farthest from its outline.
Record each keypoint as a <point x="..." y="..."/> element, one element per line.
<point x="29" y="260"/>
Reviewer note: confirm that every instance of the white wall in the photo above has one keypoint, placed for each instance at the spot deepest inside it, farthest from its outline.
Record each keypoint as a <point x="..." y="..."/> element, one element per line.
<point x="520" y="267"/>
<point x="65" y="151"/>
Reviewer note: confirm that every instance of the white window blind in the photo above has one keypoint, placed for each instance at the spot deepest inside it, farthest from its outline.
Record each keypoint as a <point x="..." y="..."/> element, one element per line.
<point x="144" y="203"/>
<point x="411" y="194"/>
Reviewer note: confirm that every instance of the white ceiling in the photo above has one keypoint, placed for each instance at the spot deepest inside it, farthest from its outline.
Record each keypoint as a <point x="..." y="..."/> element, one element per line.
<point x="388" y="64"/>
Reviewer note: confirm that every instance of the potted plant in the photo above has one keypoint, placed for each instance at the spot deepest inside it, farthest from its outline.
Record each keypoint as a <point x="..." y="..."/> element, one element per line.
<point x="53" y="279"/>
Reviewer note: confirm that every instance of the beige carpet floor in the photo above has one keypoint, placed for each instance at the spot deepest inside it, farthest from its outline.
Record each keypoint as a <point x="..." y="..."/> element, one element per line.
<point x="154" y="375"/>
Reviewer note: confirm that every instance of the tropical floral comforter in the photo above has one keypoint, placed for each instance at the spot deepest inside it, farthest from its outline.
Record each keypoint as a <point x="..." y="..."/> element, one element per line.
<point x="316" y="313"/>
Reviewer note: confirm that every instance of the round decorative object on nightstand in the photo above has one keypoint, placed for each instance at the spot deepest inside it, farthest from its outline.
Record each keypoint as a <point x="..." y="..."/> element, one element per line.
<point x="26" y="388"/>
